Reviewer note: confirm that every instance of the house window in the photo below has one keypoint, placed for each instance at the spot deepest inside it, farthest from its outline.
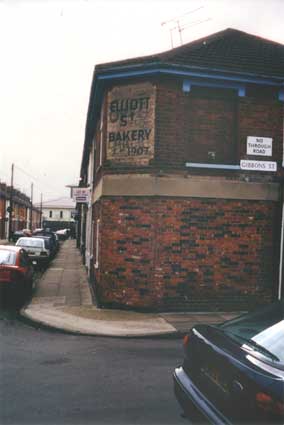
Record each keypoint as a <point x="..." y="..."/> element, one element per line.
<point x="61" y="214"/>
<point x="211" y="126"/>
<point x="50" y="214"/>
<point x="97" y="244"/>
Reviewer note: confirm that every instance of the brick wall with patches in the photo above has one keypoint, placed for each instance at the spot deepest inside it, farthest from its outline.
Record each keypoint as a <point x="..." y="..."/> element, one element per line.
<point x="206" y="125"/>
<point x="182" y="252"/>
<point x="212" y="125"/>
<point x="187" y="193"/>
<point x="170" y="254"/>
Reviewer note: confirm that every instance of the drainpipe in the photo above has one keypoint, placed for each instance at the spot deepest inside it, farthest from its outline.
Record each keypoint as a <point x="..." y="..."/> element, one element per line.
<point x="281" y="245"/>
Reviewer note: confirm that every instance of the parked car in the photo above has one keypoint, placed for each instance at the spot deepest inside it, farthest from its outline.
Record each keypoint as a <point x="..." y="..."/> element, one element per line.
<point x="37" y="250"/>
<point x="50" y="234"/>
<point x="16" y="270"/>
<point x="63" y="234"/>
<point x="20" y="233"/>
<point x="233" y="373"/>
<point x="49" y="244"/>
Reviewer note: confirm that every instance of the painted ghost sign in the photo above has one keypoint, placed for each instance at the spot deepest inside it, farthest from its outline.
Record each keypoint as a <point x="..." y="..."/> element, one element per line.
<point x="130" y="124"/>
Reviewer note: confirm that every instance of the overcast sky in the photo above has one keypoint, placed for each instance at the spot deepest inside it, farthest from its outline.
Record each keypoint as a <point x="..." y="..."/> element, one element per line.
<point x="48" y="53"/>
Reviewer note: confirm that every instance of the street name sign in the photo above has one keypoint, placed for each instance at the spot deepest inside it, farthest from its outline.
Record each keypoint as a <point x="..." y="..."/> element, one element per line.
<point x="249" y="164"/>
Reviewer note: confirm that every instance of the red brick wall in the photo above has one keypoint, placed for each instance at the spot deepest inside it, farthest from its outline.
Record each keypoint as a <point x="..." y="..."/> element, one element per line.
<point x="97" y="255"/>
<point x="212" y="130"/>
<point x="261" y="117"/>
<point x="127" y="252"/>
<point x="196" y="254"/>
<point x="184" y="122"/>
<point x="171" y="123"/>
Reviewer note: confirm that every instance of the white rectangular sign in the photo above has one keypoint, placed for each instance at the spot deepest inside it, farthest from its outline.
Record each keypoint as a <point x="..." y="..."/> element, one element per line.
<point x="259" y="146"/>
<point x="249" y="164"/>
<point x="81" y="194"/>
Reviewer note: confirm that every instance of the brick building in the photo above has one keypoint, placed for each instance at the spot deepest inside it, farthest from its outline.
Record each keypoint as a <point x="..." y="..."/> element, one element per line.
<point x="58" y="213"/>
<point x="21" y="217"/>
<point x="3" y="218"/>
<point x="183" y="156"/>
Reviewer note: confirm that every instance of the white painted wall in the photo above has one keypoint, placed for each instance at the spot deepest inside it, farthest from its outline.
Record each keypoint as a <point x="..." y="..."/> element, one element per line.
<point x="66" y="214"/>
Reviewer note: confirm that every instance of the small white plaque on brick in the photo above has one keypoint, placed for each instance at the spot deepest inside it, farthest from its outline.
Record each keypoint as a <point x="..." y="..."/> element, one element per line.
<point x="259" y="146"/>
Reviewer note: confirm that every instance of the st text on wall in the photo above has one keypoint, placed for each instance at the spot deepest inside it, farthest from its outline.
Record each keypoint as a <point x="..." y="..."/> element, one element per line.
<point x="130" y="124"/>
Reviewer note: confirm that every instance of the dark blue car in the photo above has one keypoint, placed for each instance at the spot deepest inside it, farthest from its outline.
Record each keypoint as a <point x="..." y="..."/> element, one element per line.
<point x="233" y="373"/>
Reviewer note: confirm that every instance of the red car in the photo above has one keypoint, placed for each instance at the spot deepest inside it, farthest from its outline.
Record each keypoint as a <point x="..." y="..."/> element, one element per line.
<point x="16" y="270"/>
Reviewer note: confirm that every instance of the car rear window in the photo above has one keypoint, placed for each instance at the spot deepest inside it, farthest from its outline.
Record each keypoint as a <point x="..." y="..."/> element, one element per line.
<point x="7" y="258"/>
<point x="30" y="243"/>
<point x="264" y="329"/>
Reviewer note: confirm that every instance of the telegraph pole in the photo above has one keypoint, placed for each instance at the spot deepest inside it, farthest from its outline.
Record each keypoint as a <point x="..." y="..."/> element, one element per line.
<point x="31" y="213"/>
<point x="10" y="210"/>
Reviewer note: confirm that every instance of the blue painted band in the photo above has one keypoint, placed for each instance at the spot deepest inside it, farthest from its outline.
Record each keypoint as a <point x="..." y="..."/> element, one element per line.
<point x="214" y="166"/>
<point x="187" y="84"/>
<point x="200" y="69"/>
<point x="184" y="73"/>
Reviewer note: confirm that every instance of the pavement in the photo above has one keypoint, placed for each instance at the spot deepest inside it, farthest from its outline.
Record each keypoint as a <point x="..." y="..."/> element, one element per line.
<point x="62" y="300"/>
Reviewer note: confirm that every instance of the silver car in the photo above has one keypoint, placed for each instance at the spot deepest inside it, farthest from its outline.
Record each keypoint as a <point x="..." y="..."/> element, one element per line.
<point x="37" y="250"/>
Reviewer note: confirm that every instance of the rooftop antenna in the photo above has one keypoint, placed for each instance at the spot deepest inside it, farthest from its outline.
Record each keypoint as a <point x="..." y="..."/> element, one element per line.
<point x="190" y="24"/>
<point x="180" y="27"/>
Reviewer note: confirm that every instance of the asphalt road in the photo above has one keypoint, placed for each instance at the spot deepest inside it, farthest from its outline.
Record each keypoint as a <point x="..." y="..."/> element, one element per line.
<point x="53" y="378"/>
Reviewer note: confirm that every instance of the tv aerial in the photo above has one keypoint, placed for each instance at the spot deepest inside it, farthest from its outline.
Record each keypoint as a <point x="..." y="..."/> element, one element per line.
<point x="177" y="24"/>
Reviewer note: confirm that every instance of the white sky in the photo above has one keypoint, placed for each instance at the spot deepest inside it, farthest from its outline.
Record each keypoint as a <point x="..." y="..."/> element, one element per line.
<point x="48" y="53"/>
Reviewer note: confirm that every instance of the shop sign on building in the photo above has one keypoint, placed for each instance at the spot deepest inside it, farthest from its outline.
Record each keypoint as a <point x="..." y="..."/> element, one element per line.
<point x="130" y="124"/>
<point x="81" y="194"/>
<point x="259" y="146"/>
<point x="247" y="164"/>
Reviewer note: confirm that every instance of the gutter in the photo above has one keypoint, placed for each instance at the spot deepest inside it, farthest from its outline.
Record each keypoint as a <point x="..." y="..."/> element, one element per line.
<point x="187" y="68"/>
<point x="187" y="71"/>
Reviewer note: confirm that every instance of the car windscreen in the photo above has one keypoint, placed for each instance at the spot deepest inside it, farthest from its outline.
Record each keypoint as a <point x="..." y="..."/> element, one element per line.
<point x="30" y="243"/>
<point x="7" y="258"/>
<point x="263" y="330"/>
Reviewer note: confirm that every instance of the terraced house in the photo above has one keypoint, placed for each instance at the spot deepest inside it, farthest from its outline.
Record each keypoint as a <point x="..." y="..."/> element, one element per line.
<point x="183" y="159"/>
<point x="21" y="215"/>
